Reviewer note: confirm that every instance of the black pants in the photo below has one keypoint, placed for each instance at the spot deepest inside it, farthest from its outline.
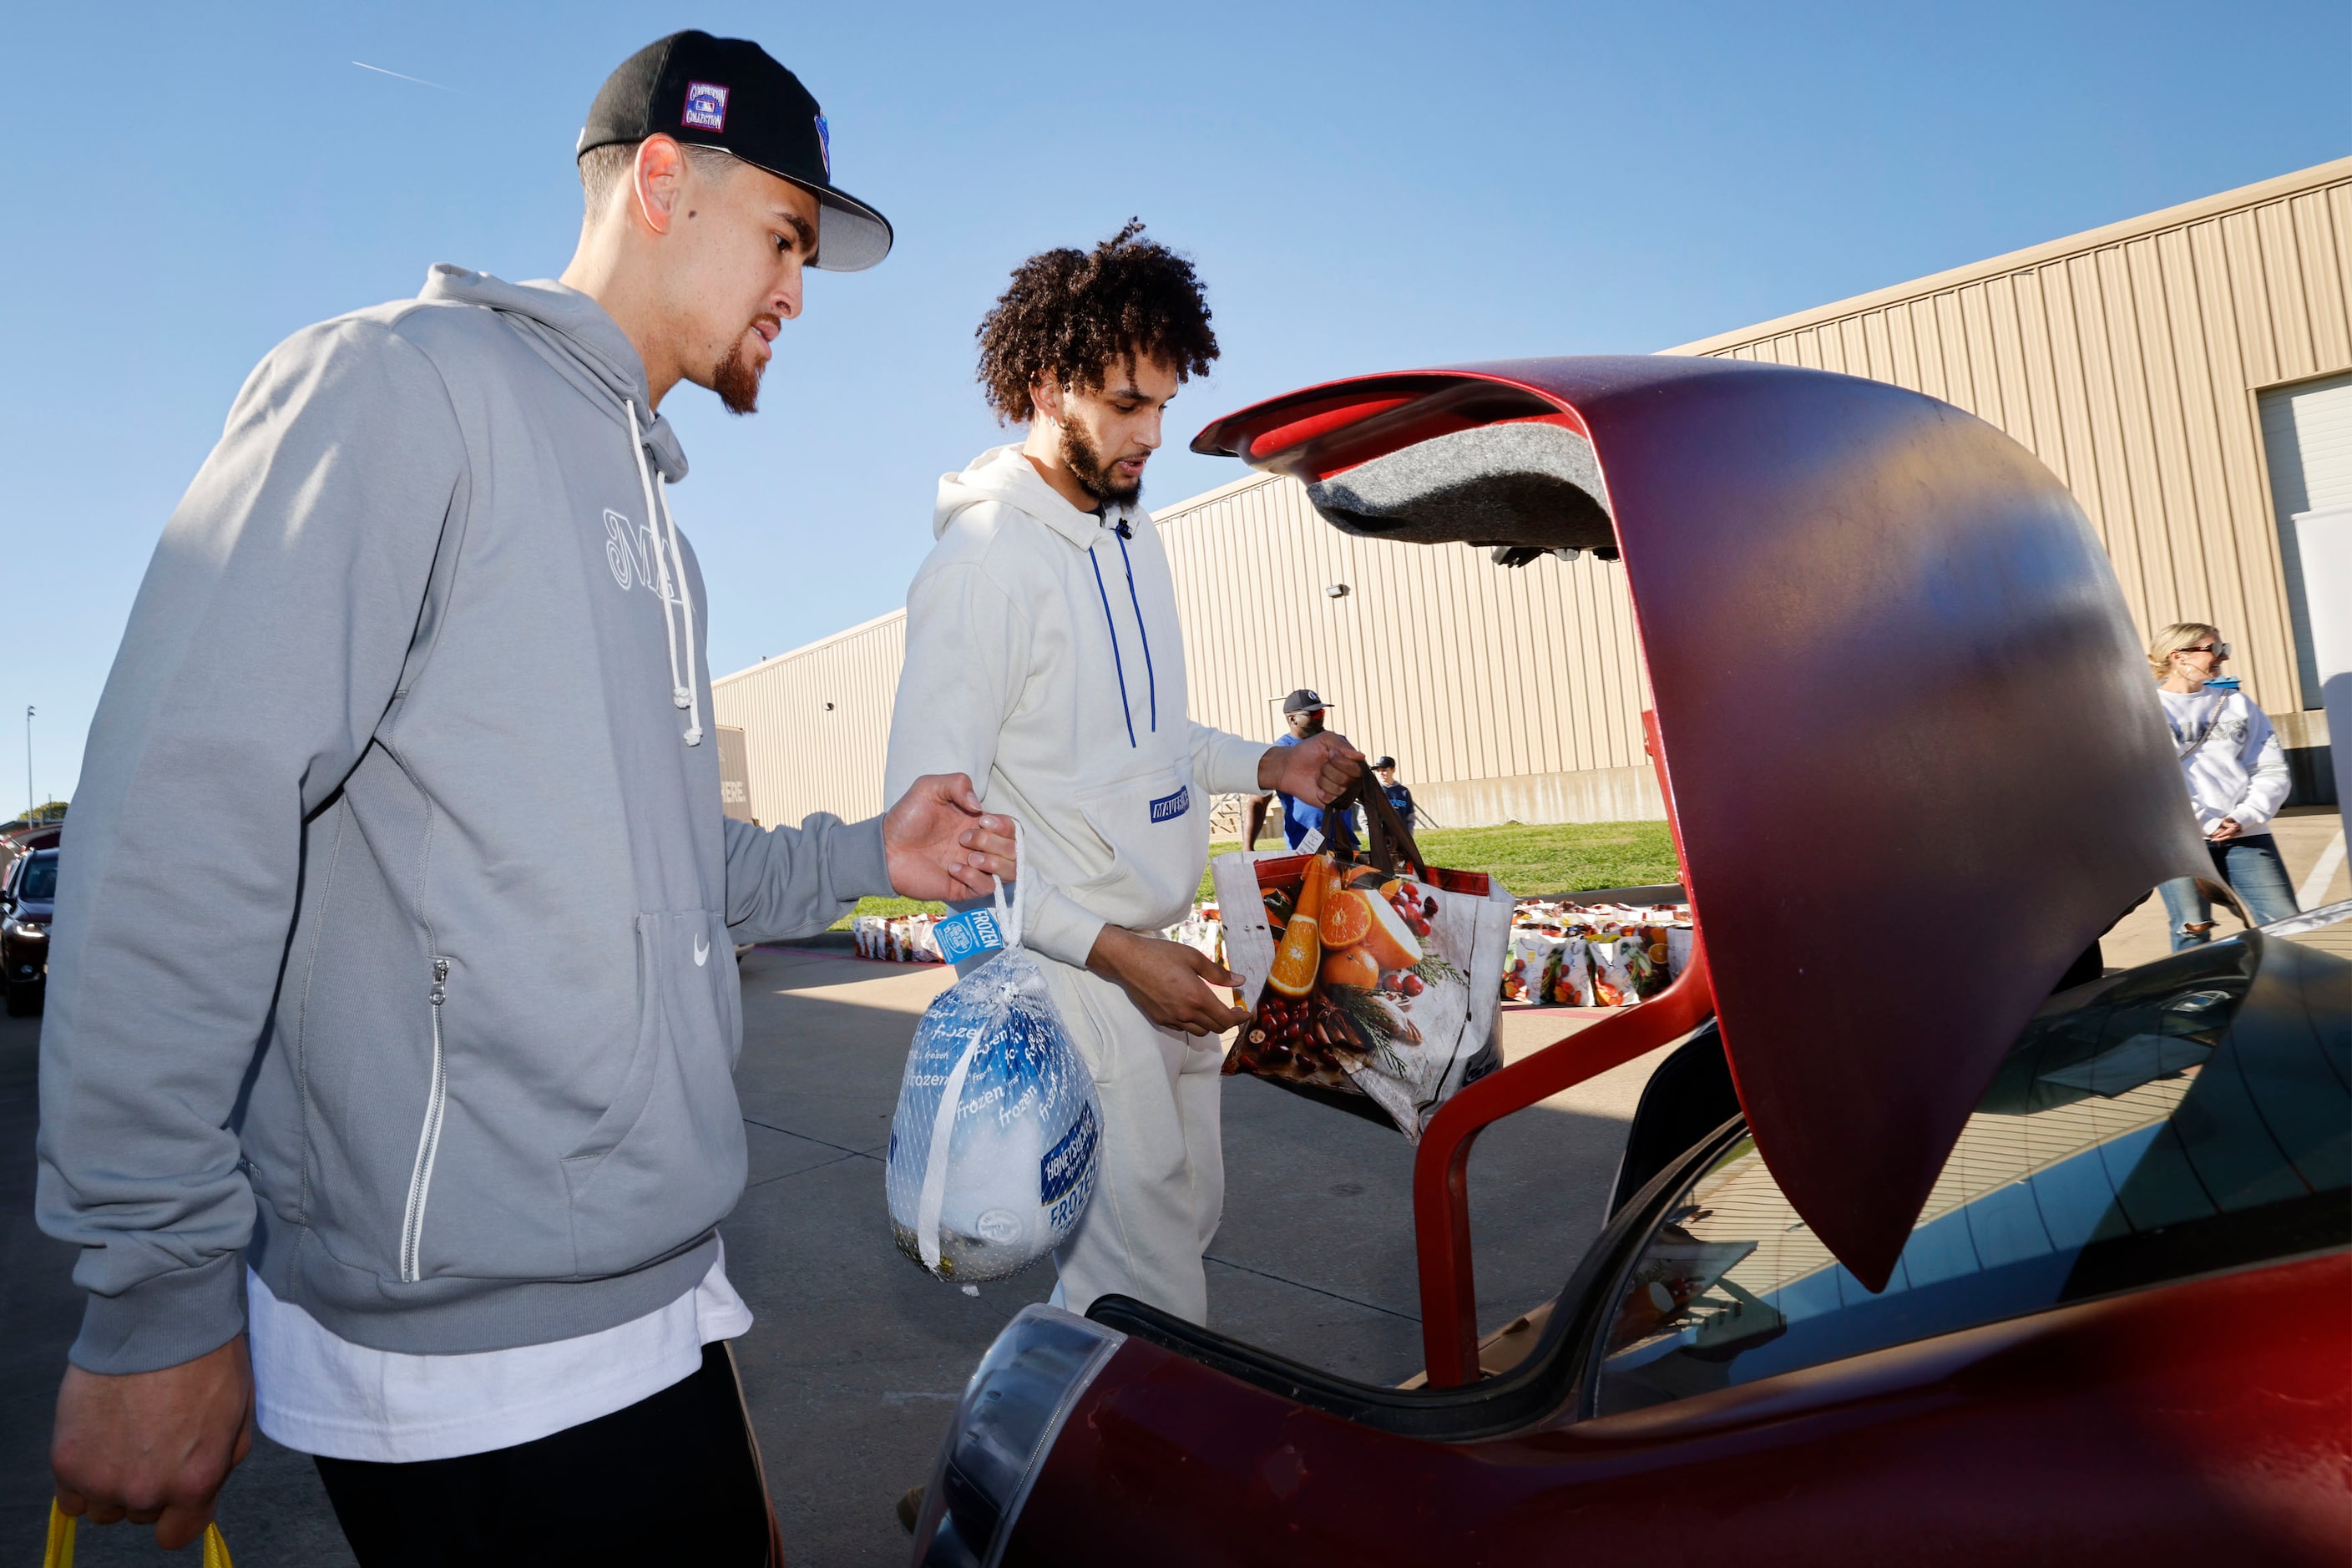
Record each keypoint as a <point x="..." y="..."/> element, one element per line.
<point x="670" y="1479"/>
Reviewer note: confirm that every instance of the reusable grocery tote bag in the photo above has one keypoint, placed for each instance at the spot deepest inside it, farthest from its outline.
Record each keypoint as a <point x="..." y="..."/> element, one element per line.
<point x="1377" y="977"/>
<point x="994" y="1145"/>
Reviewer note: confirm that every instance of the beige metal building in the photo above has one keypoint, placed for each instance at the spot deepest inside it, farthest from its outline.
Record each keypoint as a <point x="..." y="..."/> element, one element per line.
<point x="2189" y="375"/>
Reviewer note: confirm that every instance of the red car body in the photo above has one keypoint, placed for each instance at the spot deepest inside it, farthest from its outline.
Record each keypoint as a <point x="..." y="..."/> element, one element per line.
<point x="2159" y="1371"/>
<point x="2205" y="1422"/>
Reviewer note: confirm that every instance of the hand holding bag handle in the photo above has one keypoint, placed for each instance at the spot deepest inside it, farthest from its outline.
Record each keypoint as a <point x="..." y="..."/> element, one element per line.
<point x="1388" y="838"/>
<point x="60" y="1552"/>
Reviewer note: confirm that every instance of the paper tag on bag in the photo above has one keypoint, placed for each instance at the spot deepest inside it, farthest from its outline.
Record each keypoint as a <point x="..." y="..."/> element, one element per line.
<point x="1311" y="841"/>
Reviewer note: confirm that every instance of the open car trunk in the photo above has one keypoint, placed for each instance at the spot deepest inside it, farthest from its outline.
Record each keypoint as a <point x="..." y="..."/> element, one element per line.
<point x="1897" y="694"/>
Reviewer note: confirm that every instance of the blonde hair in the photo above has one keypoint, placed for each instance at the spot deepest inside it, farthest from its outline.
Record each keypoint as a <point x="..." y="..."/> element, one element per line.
<point x="2173" y="638"/>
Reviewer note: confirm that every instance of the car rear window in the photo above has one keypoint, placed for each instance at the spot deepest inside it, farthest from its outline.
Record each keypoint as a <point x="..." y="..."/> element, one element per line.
<point x="2186" y="1119"/>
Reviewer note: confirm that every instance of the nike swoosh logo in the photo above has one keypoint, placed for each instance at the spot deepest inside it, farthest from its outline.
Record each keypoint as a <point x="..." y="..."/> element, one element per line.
<point x="701" y="952"/>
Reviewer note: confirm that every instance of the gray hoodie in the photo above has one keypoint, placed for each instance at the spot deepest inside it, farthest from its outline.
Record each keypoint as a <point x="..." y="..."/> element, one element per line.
<point x="394" y="939"/>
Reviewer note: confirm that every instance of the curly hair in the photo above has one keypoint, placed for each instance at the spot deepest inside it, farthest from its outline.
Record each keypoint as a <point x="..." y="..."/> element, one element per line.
<point x="1073" y="315"/>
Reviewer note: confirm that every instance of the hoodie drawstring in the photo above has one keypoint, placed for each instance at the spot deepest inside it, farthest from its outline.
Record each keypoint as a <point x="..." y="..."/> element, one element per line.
<point x="682" y="693"/>
<point x="686" y="609"/>
<point x="1150" y="680"/>
<point x="1117" y="662"/>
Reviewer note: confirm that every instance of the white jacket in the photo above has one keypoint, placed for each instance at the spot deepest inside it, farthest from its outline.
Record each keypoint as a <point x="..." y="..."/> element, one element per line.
<point x="2240" y="771"/>
<point x="1043" y="658"/>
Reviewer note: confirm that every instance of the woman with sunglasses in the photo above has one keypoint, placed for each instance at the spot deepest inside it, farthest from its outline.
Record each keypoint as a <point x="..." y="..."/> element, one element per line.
<point x="2237" y="778"/>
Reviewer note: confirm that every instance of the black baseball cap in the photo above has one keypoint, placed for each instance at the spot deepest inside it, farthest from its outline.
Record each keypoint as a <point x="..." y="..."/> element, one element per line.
<point x="1302" y="701"/>
<point x="730" y="93"/>
<point x="1379" y="763"/>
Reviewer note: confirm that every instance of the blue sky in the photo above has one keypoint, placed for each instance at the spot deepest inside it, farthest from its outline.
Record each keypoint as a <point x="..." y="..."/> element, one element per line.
<point x="1364" y="186"/>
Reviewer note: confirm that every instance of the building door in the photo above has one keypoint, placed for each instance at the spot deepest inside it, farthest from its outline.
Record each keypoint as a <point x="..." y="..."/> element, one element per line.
<point x="2308" y="441"/>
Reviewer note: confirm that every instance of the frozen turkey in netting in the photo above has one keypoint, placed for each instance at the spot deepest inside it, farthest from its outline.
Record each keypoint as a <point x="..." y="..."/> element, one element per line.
<point x="994" y="1144"/>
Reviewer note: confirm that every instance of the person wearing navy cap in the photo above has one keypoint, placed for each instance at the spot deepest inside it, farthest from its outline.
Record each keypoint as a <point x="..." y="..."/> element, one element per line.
<point x="420" y="1167"/>
<point x="1399" y="798"/>
<point x="1305" y="825"/>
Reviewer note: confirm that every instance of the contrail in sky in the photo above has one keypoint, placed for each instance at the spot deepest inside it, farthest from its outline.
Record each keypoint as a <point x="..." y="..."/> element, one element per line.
<point x="404" y="76"/>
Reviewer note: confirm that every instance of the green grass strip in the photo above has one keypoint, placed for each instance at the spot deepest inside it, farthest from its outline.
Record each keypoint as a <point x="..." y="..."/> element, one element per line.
<point x="1543" y="860"/>
<point x="1533" y="862"/>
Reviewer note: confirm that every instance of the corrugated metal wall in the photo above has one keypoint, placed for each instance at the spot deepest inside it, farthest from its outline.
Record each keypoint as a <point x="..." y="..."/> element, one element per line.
<point x="1465" y="671"/>
<point x="1469" y="673"/>
<point x="2129" y="360"/>
<point x="805" y="755"/>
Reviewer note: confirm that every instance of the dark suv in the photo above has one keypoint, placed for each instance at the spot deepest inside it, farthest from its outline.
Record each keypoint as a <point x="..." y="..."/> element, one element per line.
<point x="28" y="900"/>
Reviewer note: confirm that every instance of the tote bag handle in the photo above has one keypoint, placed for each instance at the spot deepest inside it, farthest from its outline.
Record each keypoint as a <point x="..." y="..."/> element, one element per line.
<point x="1389" y="840"/>
<point x="60" y="1553"/>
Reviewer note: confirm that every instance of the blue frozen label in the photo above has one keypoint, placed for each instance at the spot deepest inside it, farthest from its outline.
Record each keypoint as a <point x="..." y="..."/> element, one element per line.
<point x="960" y="936"/>
<point x="1066" y="1163"/>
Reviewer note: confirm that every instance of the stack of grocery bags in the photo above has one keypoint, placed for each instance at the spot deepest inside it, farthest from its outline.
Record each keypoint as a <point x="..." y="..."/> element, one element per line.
<point x="1566" y="954"/>
<point x="1203" y="928"/>
<point x="1562" y="953"/>
<point x="896" y="939"/>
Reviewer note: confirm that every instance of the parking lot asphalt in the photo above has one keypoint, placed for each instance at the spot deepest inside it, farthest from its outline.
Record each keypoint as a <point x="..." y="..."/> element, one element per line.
<point x="857" y="1356"/>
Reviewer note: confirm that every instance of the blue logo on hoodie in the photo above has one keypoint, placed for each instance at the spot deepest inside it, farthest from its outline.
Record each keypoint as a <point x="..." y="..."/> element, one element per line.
<point x="1169" y="807"/>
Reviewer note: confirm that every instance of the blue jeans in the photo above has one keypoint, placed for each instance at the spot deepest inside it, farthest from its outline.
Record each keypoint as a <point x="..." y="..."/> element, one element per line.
<point x="2252" y="868"/>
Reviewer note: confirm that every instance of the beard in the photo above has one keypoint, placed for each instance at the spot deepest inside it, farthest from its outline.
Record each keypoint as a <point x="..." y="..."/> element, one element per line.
<point x="735" y="379"/>
<point x="1094" y="474"/>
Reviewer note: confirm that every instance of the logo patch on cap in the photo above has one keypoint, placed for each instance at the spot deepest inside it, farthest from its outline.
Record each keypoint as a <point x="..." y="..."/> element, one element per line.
<point x="825" y="144"/>
<point x="706" y="105"/>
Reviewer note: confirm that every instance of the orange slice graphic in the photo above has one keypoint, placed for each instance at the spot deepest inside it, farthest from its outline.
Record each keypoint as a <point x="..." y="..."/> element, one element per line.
<point x="1347" y="920"/>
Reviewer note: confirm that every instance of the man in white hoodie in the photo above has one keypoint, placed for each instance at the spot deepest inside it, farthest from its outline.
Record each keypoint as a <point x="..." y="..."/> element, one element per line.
<point x="1044" y="660"/>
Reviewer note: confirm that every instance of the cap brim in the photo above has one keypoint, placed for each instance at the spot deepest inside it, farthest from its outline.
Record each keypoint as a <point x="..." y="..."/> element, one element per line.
<point x="850" y="236"/>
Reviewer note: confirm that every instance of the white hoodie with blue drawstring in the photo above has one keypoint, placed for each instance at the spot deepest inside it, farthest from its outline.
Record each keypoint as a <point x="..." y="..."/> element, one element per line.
<point x="1044" y="660"/>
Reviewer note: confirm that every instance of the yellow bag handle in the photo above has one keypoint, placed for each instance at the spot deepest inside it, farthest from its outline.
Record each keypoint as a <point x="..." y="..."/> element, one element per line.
<point x="61" y="1542"/>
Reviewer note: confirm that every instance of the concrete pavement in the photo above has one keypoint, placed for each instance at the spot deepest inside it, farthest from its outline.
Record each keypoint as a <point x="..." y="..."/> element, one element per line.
<point x="2304" y="833"/>
<point x="858" y="1355"/>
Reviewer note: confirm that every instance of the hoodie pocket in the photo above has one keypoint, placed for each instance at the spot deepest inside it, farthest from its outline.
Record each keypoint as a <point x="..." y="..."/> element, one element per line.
<point x="666" y="1161"/>
<point x="1156" y="827"/>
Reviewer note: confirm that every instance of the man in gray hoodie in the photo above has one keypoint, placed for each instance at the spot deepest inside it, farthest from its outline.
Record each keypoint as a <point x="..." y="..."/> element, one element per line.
<point x="393" y="1007"/>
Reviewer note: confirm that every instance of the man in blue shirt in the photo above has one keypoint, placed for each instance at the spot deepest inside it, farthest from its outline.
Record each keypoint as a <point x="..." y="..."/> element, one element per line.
<point x="1302" y="711"/>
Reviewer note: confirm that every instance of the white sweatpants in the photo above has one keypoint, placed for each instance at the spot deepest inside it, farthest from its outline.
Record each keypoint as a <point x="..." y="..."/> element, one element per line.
<point x="1160" y="1188"/>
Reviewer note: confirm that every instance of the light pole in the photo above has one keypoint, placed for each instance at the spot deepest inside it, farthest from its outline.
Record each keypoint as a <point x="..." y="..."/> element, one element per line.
<point x="29" y="762"/>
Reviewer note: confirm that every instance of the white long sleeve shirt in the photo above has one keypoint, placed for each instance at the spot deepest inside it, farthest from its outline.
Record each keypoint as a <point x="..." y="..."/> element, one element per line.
<point x="2240" y="771"/>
